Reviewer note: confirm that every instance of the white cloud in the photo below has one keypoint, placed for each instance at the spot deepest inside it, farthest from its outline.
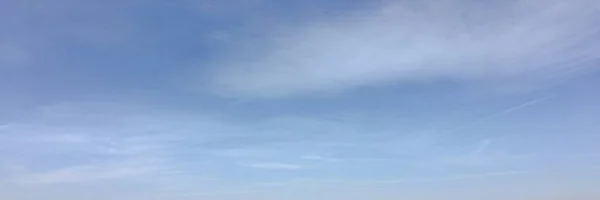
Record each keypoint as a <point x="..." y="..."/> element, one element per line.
<point x="527" y="40"/>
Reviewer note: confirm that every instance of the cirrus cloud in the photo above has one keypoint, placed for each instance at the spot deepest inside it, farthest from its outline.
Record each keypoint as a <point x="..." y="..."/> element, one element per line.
<point x="523" y="40"/>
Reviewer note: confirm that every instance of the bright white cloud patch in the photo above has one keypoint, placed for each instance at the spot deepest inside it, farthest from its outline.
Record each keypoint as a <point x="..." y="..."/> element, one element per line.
<point x="467" y="40"/>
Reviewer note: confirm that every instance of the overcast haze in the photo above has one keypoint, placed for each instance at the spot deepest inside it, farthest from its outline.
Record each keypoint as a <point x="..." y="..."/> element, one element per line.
<point x="314" y="99"/>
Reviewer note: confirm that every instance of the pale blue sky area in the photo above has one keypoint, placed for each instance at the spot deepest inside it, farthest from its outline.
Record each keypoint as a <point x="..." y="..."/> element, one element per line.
<point x="317" y="99"/>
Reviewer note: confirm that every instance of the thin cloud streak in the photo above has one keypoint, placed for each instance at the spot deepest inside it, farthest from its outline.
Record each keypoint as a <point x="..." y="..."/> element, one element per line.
<point x="274" y="166"/>
<point x="501" y="113"/>
<point x="89" y="173"/>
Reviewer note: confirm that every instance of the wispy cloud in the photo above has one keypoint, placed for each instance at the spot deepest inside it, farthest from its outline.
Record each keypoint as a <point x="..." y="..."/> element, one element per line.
<point x="75" y="125"/>
<point x="483" y="154"/>
<point x="91" y="141"/>
<point x="321" y="158"/>
<point x="483" y="146"/>
<point x="274" y="166"/>
<point x="83" y="142"/>
<point x="501" y="113"/>
<point x="519" y="40"/>
<point x="89" y="173"/>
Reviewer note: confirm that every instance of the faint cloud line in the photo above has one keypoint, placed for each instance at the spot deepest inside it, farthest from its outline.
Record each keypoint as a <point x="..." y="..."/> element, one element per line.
<point x="501" y="113"/>
<point x="274" y="166"/>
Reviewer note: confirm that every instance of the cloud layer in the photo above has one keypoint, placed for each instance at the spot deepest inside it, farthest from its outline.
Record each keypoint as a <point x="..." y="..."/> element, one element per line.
<point x="415" y="41"/>
<point x="90" y="142"/>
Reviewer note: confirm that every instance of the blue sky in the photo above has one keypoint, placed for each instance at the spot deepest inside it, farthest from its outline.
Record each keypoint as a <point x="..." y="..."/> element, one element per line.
<point x="259" y="99"/>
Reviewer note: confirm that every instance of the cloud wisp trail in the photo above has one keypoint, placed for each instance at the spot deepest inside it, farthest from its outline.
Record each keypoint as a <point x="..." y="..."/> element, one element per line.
<point x="501" y="113"/>
<point x="525" y="40"/>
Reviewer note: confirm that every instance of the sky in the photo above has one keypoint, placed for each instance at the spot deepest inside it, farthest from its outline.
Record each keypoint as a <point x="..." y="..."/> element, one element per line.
<point x="311" y="99"/>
